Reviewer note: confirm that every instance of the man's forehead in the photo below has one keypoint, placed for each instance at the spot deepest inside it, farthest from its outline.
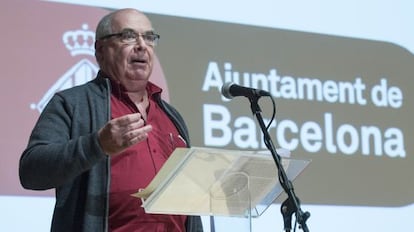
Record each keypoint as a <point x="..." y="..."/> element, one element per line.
<point x="131" y="19"/>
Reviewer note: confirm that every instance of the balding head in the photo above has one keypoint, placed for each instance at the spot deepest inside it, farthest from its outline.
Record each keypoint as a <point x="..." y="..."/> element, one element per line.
<point x="108" y="22"/>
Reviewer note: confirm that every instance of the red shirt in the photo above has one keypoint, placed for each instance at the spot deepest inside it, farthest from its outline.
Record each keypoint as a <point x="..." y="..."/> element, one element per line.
<point x="134" y="168"/>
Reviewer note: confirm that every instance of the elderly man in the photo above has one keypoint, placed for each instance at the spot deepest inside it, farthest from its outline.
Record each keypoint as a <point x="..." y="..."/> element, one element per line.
<point x="98" y="143"/>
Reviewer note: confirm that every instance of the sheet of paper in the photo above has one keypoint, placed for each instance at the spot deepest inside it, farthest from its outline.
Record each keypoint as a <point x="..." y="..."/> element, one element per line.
<point x="204" y="181"/>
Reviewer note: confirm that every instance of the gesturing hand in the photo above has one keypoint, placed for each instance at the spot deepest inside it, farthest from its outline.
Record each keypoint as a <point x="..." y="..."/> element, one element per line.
<point x="123" y="132"/>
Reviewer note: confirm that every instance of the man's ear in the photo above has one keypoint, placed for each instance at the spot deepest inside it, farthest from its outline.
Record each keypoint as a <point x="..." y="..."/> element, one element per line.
<point x="98" y="51"/>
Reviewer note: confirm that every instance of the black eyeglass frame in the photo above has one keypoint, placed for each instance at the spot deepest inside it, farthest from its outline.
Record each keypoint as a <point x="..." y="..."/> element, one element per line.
<point x="148" y="36"/>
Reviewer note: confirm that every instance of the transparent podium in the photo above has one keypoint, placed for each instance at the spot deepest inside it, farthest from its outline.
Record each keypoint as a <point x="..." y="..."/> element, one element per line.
<point x="231" y="186"/>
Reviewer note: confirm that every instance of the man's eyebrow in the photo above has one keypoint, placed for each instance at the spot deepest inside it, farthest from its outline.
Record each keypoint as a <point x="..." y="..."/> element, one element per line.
<point x="127" y="29"/>
<point x="150" y="31"/>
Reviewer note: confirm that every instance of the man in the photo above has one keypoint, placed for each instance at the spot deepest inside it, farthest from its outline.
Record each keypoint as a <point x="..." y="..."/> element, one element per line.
<point x="98" y="143"/>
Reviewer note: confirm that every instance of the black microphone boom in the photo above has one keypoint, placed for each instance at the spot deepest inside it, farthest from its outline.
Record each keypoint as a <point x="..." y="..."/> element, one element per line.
<point x="230" y="90"/>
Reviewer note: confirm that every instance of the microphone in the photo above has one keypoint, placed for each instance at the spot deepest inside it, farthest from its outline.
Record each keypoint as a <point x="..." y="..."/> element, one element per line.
<point x="230" y="90"/>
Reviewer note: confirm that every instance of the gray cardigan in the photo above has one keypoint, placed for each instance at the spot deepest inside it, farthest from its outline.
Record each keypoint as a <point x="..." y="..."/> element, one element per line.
<point x="64" y="153"/>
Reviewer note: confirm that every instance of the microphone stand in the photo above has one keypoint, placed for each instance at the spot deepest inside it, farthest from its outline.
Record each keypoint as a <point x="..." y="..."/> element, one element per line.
<point x="291" y="204"/>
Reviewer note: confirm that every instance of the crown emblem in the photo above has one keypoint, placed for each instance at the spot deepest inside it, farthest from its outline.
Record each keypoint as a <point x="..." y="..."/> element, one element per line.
<point x="80" y="42"/>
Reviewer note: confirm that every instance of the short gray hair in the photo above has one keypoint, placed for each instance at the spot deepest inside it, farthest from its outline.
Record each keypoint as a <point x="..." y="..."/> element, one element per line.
<point x="104" y="26"/>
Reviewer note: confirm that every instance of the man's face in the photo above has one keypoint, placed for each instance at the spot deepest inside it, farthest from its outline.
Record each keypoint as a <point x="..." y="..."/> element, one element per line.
<point x="128" y="63"/>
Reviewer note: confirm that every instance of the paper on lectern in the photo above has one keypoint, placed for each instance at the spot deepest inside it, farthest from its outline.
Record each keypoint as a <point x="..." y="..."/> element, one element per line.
<point x="206" y="181"/>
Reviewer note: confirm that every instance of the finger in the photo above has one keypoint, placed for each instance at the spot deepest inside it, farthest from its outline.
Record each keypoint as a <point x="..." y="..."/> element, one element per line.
<point x="138" y="135"/>
<point x="128" y="119"/>
<point x="133" y="126"/>
<point x="141" y="133"/>
<point x="130" y="142"/>
<point x="146" y="128"/>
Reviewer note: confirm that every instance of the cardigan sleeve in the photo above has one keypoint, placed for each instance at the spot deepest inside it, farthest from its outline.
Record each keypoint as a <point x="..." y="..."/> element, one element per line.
<point x="53" y="155"/>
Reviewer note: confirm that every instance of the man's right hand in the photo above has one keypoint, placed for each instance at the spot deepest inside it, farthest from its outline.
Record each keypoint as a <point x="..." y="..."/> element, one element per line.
<point x="120" y="133"/>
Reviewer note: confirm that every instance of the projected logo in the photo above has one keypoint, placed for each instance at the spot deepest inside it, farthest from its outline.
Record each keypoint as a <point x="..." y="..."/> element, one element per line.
<point x="78" y="42"/>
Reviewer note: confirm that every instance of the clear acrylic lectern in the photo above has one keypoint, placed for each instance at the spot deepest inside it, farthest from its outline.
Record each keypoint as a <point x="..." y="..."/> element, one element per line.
<point x="217" y="182"/>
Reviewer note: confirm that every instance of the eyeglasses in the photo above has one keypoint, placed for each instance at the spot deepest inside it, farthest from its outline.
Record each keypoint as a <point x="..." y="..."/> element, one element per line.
<point x="129" y="36"/>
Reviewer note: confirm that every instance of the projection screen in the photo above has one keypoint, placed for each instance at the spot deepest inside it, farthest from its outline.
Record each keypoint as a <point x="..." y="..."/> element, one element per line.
<point x="340" y="74"/>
